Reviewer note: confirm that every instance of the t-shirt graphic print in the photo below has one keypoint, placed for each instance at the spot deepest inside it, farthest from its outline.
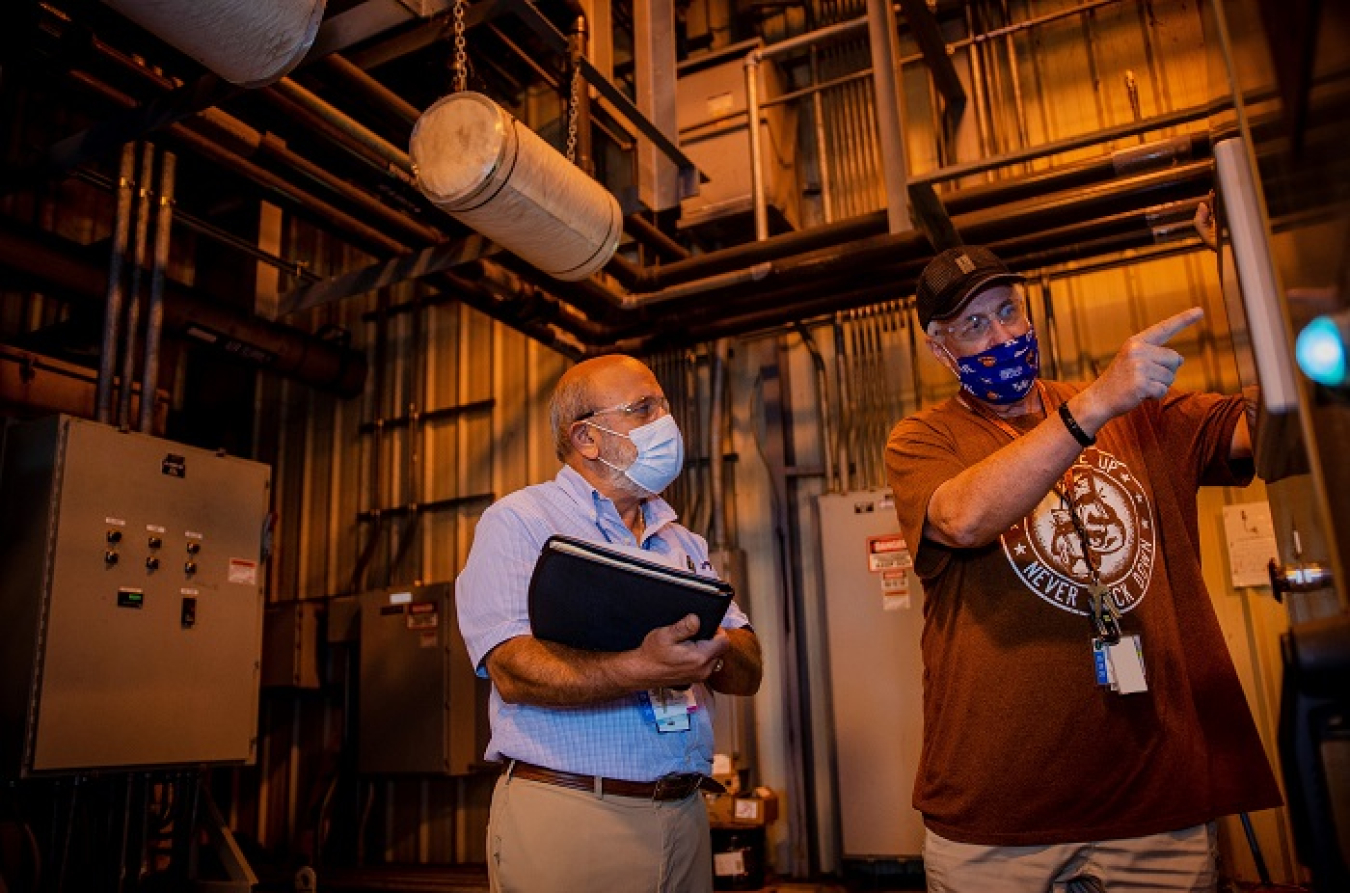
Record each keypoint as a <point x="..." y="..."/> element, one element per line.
<point x="1116" y="515"/>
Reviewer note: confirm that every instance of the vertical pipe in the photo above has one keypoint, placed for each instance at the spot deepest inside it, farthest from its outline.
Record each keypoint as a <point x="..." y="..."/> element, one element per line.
<point x="112" y="313"/>
<point x="413" y="489"/>
<point x="1161" y="97"/>
<point x="977" y="91"/>
<point x="993" y="73"/>
<point x="685" y="372"/>
<point x="1090" y="44"/>
<point x="752" y="60"/>
<point x="885" y="81"/>
<point x="862" y="170"/>
<point x="823" y="402"/>
<point x="915" y="364"/>
<point x="822" y="151"/>
<point x="1050" y="328"/>
<point x="1019" y="105"/>
<point x="846" y="150"/>
<point x="133" y="310"/>
<point x="872" y="377"/>
<point x="716" y="391"/>
<point x="154" y="316"/>
<point x="869" y="123"/>
<point x="937" y="121"/>
<point x="898" y="325"/>
<point x="841" y="374"/>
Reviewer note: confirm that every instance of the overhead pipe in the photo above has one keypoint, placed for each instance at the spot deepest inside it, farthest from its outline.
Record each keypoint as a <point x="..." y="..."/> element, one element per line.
<point x="1162" y="154"/>
<point x="59" y="265"/>
<point x="1077" y="243"/>
<point x="636" y="226"/>
<point x="481" y="165"/>
<point x="276" y="185"/>
<point x="620" y="303"/>
<point x="878" y="279"/>
<point x="246" y="43"/>
<point x="341" y="140"/>
<point x="785" y="46"/>
<point x="1157" y="155"/>
<point x="395" y="158"/>
<point x="875" y="254"/>
<point x="212" y="123"/>
<point x="650" y="235"/>
<point x="251" y="143"/>
<point x="355" y="78"/>
<point x="668" y="268"/>
<point x="753" y="275"/>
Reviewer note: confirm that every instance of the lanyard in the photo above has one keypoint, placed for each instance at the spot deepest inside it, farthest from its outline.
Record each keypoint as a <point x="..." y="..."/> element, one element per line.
<point x="1101" y="610"/>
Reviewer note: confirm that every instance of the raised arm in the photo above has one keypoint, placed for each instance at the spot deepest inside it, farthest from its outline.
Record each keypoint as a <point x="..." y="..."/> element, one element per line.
<point x="980" y="503"/>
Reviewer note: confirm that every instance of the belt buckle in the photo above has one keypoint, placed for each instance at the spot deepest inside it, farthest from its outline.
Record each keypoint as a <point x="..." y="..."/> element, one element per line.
<point x="675" y="786"/>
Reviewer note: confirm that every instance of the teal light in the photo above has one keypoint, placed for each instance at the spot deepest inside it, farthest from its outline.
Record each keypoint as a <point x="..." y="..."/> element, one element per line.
<point x="1321" y="352"/>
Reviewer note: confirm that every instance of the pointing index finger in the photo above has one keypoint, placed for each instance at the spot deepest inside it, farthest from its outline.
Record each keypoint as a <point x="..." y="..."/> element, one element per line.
<point x="1162" y="332"/>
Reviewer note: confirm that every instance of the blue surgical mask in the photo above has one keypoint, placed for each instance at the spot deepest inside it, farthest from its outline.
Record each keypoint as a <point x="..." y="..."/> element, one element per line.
<point x="1004" y="373"/>
<point x="660" y="455"/>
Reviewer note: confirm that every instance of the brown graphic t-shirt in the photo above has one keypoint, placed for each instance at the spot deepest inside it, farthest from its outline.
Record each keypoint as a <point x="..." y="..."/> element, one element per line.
<point x="1021" y="745"/>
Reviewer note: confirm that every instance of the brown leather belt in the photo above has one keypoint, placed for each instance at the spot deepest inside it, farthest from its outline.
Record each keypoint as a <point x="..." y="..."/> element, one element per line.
<point x="676" y="786"/>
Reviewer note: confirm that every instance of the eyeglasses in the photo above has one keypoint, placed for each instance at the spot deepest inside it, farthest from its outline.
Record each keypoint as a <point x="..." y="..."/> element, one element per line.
<point x="974" y="328"/>
<point x="643" y="409"/>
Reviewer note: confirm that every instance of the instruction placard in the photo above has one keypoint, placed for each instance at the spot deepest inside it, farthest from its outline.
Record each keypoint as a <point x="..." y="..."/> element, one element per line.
<point x="1250" y="534"/>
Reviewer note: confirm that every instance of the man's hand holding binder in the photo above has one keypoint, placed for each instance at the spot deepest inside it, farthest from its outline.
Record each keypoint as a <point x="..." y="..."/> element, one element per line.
<point x="596" y="598"/>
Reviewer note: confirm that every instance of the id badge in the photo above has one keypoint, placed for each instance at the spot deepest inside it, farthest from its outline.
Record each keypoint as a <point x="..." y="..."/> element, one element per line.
<point x="669" y="708"/>
<point x="1101" y="664"/>
<point x="1126" y="658"/>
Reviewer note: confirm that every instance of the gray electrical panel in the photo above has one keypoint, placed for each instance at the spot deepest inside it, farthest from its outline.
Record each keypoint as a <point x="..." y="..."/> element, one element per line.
<point x="874" y="609"/>
<point x="132" y="598"/>
<point x="422" y="710"/>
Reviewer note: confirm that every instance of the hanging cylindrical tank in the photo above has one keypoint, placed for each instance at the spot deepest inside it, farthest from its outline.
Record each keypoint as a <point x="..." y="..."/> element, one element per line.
<point x="486" y="169"/>
<point x="245" y="42"/>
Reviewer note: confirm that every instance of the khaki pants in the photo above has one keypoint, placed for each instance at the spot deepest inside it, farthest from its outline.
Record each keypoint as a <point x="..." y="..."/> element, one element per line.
<point x="1176" y="861"/>
<point x="547" y="839"/>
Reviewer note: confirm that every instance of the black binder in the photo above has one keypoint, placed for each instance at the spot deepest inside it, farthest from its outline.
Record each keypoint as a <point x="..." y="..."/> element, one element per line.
<point x="599" y="598"/>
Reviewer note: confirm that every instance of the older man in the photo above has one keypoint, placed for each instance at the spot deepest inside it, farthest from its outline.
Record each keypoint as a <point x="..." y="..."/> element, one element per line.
<point x="594" y="793"/>
<point x="1083" y="723"/>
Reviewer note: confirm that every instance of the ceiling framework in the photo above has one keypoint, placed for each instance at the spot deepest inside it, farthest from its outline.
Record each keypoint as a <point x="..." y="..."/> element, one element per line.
<point x="328" y="143"/>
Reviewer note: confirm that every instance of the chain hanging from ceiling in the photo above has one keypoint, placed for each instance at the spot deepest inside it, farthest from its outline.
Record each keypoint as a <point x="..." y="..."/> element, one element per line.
<point x="461" y="62"/>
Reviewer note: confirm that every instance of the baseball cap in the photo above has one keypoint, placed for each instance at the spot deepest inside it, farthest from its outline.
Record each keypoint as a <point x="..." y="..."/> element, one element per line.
<point x="954" y="277"/>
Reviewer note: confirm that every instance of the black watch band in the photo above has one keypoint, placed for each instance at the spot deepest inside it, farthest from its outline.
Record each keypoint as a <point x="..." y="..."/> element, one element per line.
<point x="1084" y="440"/>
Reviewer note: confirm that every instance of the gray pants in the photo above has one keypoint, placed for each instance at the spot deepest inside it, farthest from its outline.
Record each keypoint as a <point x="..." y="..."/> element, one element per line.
<point x="1175" y="861"/>
<point x="547" y="839"/>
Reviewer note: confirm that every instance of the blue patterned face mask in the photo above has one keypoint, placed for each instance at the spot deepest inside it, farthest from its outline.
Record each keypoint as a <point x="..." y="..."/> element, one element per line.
<point x="1004" y="373"/>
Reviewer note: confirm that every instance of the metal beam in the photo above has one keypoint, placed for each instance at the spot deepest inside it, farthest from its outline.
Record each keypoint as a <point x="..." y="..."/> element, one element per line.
<point x="927" y="33"/>
<point x="436" y="259"/>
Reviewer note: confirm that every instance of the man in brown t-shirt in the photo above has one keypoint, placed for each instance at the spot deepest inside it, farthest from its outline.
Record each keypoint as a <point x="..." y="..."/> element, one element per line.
<point x="1082" y="718"/>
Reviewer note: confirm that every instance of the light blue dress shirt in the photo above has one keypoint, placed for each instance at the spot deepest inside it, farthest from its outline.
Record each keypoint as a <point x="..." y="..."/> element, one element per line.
<point x="616" y="739"/>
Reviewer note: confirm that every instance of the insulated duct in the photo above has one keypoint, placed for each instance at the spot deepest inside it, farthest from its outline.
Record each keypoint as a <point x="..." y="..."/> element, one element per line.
<point x="245" y="42"/>
<point x="492" y="173"/>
